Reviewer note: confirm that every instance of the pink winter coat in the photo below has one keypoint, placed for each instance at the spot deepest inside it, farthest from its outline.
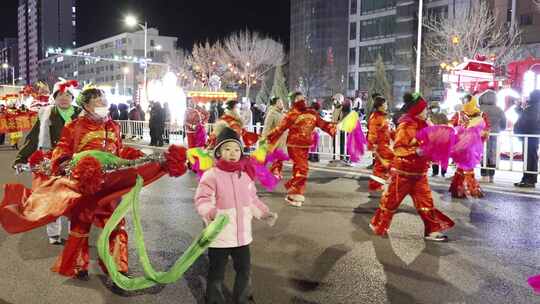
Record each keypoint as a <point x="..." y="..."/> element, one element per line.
<point x="221" y="192"/>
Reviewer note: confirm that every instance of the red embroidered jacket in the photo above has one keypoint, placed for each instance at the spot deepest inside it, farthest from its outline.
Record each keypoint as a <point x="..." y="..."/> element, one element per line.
<point x="84" y="134"/>
<point x="301" y="121"/>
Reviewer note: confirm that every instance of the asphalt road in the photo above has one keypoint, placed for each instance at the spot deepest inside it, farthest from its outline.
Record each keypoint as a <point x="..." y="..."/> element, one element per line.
<point x="321" y="253"/>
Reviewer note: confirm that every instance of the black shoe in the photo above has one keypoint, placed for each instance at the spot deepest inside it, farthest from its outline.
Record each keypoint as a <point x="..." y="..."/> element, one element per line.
<point x="82" y="275"/>
<point x="524" y="185"/>
<point x="56" y="240"/>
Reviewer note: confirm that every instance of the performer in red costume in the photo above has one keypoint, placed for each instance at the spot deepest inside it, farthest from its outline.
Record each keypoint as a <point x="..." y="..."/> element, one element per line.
<point x="408" y="176"/>
<point x="88" y="195"/>
<point x="379" y="139"/>
<point x="196" y="117"/>
<point x="92" y="131"/>
<point x="464" y="182"/>
<point x="301" y="121"/>
<point x="232" y="119"/>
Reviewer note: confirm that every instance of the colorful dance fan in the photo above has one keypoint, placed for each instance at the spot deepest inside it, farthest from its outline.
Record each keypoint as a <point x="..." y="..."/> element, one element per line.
<point x="436" y="143"/>
<point x="205" y="161"/>
<point x="315" y="139"/>
<point x="468" y="149"/>
<point x="534" y="282"/>
<point x="349" y="123"/>
<point x="356" y="143"/>
<point x="200" y="136"/>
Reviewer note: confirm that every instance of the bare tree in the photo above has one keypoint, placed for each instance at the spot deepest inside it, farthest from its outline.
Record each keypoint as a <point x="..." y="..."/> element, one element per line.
<point x="249" y="56"/>
<point x="205" y="62"/>
<point x="178" y="62"/>
<point x="475" y="32"/>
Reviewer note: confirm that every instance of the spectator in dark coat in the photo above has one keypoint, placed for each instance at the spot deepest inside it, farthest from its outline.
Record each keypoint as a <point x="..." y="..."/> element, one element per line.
<point x="215" y="114"/>
<point x="157" y="124"/>
<point x="167" y="121"/>
<point x="113" y="112"/>
<point x="529" y="123"/>
<point x="497" y="119"/>
<point x="123" y="111"/>
<point x="137" y="114"/>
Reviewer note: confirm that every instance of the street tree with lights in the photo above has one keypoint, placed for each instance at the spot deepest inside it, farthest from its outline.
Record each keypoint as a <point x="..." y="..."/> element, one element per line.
<point x="249" y="56"/>
<point x="474" y="32"/>
<point x="204" y="62"/>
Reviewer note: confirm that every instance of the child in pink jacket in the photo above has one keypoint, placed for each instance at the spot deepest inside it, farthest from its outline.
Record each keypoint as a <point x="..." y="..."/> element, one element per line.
<point x="228" y="189"/>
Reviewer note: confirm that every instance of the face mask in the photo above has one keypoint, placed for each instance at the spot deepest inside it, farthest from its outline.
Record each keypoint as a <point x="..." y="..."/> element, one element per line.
<point x="435" y="110"/>
<point x="102" y="112"/>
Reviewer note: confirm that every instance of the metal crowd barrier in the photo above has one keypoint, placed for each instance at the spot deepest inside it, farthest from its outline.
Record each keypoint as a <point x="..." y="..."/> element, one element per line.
<point x="503" y="151"/>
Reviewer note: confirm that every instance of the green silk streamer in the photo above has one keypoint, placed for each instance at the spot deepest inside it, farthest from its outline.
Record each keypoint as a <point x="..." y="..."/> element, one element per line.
<point x="151" y="277"/>
<point x="104" y="158"/>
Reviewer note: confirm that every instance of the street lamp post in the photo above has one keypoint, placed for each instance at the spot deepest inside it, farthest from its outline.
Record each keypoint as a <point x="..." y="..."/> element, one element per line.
<point x="419" y="45"/>
<point x="125" y="71"/>
<point x="132" y="21"/>
<point x="7" y="66"/>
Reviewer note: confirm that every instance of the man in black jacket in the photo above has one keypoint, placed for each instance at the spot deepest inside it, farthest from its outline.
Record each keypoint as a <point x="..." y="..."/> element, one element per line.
<point x="529" y="123"/>
<point x="45" y="135"/>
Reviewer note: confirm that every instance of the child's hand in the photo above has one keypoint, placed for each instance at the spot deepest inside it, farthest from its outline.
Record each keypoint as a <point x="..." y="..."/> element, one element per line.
<point x="211" y="215"/>
<point x="270" y="218"/>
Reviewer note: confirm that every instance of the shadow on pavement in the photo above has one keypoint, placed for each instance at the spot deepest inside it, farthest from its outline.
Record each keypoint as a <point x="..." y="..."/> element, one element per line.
<point x="34" y="245"/>
<point x="424" y="269"/>
<point x="321" y="267"/>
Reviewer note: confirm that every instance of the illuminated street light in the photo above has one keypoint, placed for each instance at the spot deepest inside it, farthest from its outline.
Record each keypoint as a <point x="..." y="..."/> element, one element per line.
<point x="131" y="21"/>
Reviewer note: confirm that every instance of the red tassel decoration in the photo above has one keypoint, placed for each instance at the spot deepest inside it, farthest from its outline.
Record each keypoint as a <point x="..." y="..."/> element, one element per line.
<point x="130" y="153"/>
<point x="37" y="157"/>
<point x="89" y="175"/>
<point x="176" y="160"/>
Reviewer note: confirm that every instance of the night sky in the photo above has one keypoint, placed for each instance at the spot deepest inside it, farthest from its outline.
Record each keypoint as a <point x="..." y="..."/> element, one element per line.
<point x="190" y="20"/>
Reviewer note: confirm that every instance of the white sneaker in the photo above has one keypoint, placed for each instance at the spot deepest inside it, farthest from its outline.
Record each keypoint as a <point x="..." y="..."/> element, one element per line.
<point x="293" y="202"/>
<point x="436" y="237"/>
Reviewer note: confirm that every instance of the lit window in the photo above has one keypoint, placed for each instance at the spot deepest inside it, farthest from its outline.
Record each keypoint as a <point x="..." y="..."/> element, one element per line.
<point x="73" y="22"/>
<point x="73" y="9"/>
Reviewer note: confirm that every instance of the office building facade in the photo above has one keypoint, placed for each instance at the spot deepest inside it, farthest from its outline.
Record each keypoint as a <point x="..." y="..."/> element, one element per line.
<point x="43" y="24"/>
<point x="109" y="62"/>
<point x="389" y="29"/>
<point x="9" y="56"/>
<point x="318" y="55"/>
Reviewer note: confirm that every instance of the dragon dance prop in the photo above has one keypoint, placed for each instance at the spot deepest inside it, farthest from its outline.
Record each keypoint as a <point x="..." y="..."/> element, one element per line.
<point x="151" y="276"/>
<point x="356" y="140"/>
<point x="17" y="122"/>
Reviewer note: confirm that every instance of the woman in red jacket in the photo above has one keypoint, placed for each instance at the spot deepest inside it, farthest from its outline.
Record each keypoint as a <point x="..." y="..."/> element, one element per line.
<point x="408" y="176"/>
<point x="379" y="138"/>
